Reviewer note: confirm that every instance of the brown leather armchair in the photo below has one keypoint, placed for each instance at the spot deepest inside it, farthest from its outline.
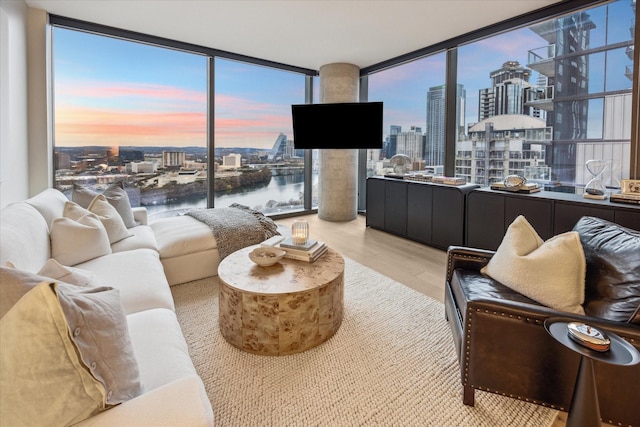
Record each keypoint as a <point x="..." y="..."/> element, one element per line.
<point x="501" y="341"/>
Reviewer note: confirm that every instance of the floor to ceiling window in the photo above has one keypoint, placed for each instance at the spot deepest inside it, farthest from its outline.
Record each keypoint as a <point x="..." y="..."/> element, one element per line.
<point x="138" y="112"/>
<point x="544" y="99"/>
<point x="132" y="112"/>
<point x="255" y="159"/>
<point x="413" y="118"/>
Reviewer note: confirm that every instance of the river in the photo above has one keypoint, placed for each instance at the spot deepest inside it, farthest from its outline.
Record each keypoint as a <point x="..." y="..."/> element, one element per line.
<point x="280" y="189"/>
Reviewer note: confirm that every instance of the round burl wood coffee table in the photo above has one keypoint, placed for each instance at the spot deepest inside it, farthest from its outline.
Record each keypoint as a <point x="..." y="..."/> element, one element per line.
<point x="286" y="308"/>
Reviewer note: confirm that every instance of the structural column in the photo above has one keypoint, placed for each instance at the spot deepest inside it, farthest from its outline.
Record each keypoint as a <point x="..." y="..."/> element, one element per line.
<point x="338" y="172"/>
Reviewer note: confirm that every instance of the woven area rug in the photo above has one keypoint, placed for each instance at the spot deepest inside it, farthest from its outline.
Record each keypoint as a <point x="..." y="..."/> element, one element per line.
<point x="391" y="363"/>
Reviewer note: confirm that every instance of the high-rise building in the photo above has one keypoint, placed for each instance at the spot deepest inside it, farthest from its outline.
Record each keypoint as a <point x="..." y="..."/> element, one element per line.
<point x="173" y="159"/>
<point x="508" y="93"/>
<point x="410" y="143"/>
<point x="436" y="126"/>
<point x="586" y="110"/>
<point x="283" y="148"/>
<point x="390" y="144"/>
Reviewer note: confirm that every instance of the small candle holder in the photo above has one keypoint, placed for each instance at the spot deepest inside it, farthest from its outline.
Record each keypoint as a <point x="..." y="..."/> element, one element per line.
<point x="300" y="232"/>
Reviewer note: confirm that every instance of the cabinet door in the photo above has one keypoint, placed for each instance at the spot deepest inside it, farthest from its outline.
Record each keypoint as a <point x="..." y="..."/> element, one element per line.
<point x="395" y="208"/>
<point x="419" y="212"/>
<point x="567" y="214"/>
<point x="538" y="212"/>
<point x="628" y="218"/>
<point x="485" y="220"/>
<point x="448" y="217"/>
<point x="375" y="203"/>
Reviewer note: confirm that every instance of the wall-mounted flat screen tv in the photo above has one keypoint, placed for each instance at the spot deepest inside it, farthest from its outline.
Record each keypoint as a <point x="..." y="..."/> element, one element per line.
<point x="338" y="125"/>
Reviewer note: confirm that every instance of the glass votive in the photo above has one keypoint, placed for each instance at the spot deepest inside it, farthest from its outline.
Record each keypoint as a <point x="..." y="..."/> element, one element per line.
<point x="300" y="232"/>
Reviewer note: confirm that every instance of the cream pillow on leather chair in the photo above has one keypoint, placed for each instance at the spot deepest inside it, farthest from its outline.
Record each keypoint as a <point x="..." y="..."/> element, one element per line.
<point x="551" y="272"/>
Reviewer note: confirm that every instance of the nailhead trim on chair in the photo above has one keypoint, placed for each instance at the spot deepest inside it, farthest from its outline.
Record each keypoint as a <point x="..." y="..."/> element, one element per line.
<point x="461" y="256"/>
<point x="466" y="360"/>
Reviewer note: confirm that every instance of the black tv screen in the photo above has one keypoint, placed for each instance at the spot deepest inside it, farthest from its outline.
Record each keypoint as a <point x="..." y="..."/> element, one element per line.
<point x="340" y="125"/>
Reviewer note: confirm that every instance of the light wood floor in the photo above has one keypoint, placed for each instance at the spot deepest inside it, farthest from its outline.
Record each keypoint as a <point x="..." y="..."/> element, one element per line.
<point x="420" y="267"/>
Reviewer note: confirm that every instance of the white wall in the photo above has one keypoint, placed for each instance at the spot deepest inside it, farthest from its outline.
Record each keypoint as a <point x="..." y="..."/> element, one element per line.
<point x="25" y="144"/>
<point x="14" y="168"/>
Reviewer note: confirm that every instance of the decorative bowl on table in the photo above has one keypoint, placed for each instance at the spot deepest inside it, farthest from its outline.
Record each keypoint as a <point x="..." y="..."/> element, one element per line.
<point x="265" y="256"/>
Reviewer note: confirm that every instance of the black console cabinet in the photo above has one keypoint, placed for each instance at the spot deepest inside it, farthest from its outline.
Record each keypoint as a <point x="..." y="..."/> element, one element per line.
<point x="428" y="213"/>
<point x="490" y="212"/>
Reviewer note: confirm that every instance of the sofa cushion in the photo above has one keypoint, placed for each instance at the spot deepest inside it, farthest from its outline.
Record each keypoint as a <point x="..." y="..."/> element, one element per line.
<point x="24" y="237"/>
<point x="76" y="241"/>
<point x="42" y="379"/>
<point x="181" y="235"/>
<point x="160" y="347"/>
<point x="50" y="204"/>
<point x="551" y="272"/>
<point x="142" y="237"/>
<point x="115" y="194"/>
<point x="137" y="274"/>
<point x="613" y="270"/>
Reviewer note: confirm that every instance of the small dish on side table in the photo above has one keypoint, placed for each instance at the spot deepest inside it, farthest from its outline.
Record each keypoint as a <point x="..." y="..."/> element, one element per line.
<point x="266" y="256"/>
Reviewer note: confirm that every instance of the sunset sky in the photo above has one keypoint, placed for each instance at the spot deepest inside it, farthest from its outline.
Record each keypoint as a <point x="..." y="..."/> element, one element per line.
<point x="113" y="92"/>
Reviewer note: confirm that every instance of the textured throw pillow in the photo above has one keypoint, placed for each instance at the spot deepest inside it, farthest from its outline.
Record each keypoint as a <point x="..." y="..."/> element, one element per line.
<point x="73" y="242"/>
<point x="550" y="272"/>
<point x="110" y="218"/>
<point x="42" y="380"/>
<point x="115" y="194"/>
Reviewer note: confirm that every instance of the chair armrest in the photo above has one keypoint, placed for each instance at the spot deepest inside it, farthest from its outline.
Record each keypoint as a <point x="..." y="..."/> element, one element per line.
<point x="537" y="314"/>
<point x="466" y="258"/>
<point x="140" y="215"/>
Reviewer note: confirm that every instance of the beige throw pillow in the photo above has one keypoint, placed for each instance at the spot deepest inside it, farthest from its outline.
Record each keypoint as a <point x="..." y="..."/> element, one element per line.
<point x="74" y="242"/>
<point x="550" y="272"/>
<point x="42" y="379"/>
<point x="58" y="272"/>
<point x="115" y="194"/>
<point x="112" y="221"/>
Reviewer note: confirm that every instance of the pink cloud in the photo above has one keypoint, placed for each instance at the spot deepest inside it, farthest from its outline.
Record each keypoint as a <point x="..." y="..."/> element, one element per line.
<point x="109" y="90"/>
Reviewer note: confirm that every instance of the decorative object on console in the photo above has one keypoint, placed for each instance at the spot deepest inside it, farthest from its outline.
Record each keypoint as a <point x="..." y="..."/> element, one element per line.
<point x="551" y="272"/>
<point x="300" y="232"/>
<point x="449" y="180"/>
<point x="595" y="189"/>
<point x="401" y="164"/>
<point x="631" y="186"/>
<point x="516" y="184"/>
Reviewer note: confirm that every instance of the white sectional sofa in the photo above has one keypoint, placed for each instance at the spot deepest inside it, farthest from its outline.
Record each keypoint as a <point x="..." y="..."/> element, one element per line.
<point x="170" y="391"/>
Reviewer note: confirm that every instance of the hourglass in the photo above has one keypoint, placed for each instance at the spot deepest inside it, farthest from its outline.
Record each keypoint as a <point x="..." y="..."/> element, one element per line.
<point x="595" y="189"/>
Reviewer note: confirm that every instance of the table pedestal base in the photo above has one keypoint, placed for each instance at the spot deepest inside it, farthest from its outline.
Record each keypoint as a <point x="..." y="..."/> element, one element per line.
<point x="584" y="410"/>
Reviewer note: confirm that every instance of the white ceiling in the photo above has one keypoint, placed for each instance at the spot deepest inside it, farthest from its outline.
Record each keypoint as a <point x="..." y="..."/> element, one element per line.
<point x="303" y="33"/>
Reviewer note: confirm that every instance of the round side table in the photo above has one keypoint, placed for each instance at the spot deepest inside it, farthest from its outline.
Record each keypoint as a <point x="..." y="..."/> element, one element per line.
<point x="584" y="410"/>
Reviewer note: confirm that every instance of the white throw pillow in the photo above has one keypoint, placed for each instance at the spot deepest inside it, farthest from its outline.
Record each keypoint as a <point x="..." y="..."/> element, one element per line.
<point x="110" y="218"/>
<point x="550" y="272"/>
<point x="74" y="276"/>
<point x="73" y="242"/>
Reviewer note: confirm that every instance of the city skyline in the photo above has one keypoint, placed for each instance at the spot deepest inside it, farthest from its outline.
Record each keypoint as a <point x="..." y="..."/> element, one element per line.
<point x="114" y="92"/>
